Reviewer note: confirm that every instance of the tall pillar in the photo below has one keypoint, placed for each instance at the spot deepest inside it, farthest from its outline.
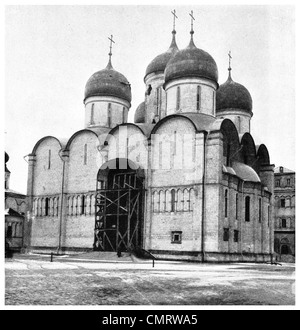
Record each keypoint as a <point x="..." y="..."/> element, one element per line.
<point x="266" y="175"/>
<point x="29" y="203"/>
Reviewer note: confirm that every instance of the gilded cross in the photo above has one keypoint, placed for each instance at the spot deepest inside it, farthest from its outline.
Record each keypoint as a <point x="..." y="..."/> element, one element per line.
<point x="192" y="19"/>
<point x="174" y="19"/>
<point x="111" y="43"/>
<point x="230" y="57"/>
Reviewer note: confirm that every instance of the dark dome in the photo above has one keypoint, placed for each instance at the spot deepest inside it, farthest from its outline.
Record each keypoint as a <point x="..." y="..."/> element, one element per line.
<point x="139" y="117"/>
<point x="108" y="82"/>
<point x="232" y="95"/>
<point x="191" y="62"/>
<point x="160" y="62"/>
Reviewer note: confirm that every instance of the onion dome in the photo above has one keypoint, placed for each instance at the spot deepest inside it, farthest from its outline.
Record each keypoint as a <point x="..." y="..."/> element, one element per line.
<point x="160" y="62"/>
<point x="232" y="95"/>
<point x="108" y="82"/>
<point x="139" y="117"/>
<point x="191" y="62"/>
<point x="6" y="160"/>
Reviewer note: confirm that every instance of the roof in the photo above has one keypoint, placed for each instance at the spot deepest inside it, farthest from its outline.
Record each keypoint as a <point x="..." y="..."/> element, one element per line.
<point x="191" y="62"/>
<point x="108" y="82"/>
<point x="10" y="192"/>
<point x="284" y="170"/>
<point x="232" y="95"/>
<point x="11" y="212"/>
<point x="244" y="172"/>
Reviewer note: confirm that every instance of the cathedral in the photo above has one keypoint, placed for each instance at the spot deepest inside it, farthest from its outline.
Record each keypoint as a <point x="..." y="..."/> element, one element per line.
<point x="185" y="181"/>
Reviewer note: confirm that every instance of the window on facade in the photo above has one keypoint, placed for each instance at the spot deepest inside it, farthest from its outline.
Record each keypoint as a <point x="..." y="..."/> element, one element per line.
<point x="49" y="159"/>
<point x="109" y="115"/>
<point x="247" y="209"/>
<point x="176" y="237"/>
<point x="9" y="231"/>
<point x="277" y="183"/>
<point x="282" y="202"/>
<point x="226" y="203"/>
<point x="178" y="99"/>
<point x="85" y="154"/>
<point x="226" y="235"/>
<point x="173" y="200"/>
<point x="198" y="97"/>
<point x="83" y="205"/>
<point x="288" y="182"/>
<point x="236" y="236"/>
<point x="237" y="206"/>
<point x="283" y="223"/>
<point x="157" y="100"/>
<point x="239" y="124"/>
<point x="269" y="216"/>
<point x="259" y="210"/>
<point x="281" y="169"/>
<point x="92" y="115"/>
<point x="124" y="115"/>
<point x="47" y="206"/>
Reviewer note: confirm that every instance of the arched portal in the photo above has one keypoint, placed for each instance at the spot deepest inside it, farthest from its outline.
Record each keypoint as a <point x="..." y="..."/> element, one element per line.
<point x="119" y="206"/>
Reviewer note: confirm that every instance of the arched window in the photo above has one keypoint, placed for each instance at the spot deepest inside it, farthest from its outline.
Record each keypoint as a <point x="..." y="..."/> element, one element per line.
<point x="85" y="154"/>
<point x="173" y="200"/>
<point x="178" y="99"/>
<point x="259" y="210"/>
<point x="124" y="115"/>
<point x="157" y="100"/>
<point x="226" y="203"/>
<point x="237" y="206"/>
<point x="109" y="115"/>
<point x="247" y="209"/>
<point x="198" y="97"/>
<point x="83" y="200"/>
<point x="47" y="206"/>
<point x="49" y="159"/>
<point x="269" y="215"/>
<point x="285" y="249"/>
<point x="162" y="201"/>
<point x="92" y="115"/>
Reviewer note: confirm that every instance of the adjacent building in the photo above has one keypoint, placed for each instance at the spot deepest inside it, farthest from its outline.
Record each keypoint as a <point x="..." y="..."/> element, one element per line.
<point x="284" y="193"/>
<point x="15" y="209"/>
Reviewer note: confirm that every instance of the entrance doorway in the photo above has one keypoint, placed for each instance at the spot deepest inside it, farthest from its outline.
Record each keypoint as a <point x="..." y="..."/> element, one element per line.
<point x="119" y="206"/>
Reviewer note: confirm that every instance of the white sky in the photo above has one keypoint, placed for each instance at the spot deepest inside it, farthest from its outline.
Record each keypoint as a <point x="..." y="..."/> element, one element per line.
<point x="51" y="51"/>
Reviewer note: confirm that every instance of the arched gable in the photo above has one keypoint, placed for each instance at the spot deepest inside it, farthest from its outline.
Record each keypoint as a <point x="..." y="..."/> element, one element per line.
<point x="61" y="144"/>
<point x="73" y="137"/>
<point x="231" y="145"/>
<point x="248" y="150"/>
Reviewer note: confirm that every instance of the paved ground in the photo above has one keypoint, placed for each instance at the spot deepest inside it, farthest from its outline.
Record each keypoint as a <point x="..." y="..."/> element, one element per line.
<point x="34" y="280"/>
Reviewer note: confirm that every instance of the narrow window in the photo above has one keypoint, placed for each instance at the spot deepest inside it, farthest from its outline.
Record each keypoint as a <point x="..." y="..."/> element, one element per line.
<point x="228" y="155"/>
<point x="214" y="101"/>
<point x="237" y="206"/>
<point x="283" y="223"/>
<point x="277" y="183"/>
<point x="288" y="182"/>
<point x="236" y="236"/>
<point x="226" y="235"/>
<point x="269" y="216"/>
<point x="47" y="206"/>
<point x="260" y="210"/>
<point x="247" y="209"/>
<point x="85" y="154"/>
<point x="178" y="99"/>
<point x="157" y="100"/>
<point x="176" y="237"/>
<point x="49" y="159"/>
<point x="9" y="231"/>
<point x="124" y="115"/>
<point x="282" y="202"/>
<point x="83" y="205"/>
<point x="226" y="203"/>
<point x="109" y="115"/>
<point x="239" y="124"/>
<point x="198" y="97"/>
<point x="173" y="200"/>
<point x="281" y="169"/>
<point x="92" y="114"/>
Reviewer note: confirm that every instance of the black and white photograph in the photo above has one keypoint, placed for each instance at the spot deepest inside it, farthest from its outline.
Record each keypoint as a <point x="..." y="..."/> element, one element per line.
<point x="149" y="155"/>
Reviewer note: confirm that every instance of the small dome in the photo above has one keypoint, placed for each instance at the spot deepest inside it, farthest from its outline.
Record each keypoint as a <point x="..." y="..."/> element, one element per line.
<point x="160" y="62"/>
<point x="108" y="82"/>
<point x="139" y="117"/>
<point x="232" y="95"/>
<point x="191" y="62"/>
